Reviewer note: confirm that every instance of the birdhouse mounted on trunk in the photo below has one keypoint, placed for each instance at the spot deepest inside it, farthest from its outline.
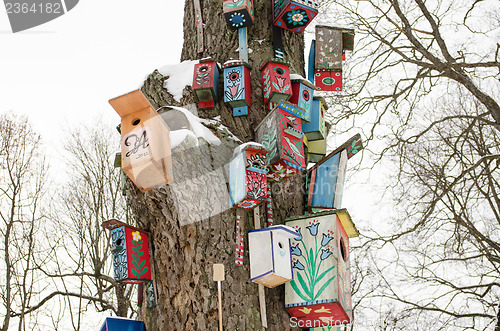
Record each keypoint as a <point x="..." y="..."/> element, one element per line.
<point x="316" y="128"/>
<point x="130" y="250"/>
<point x="270" y="256"/>
<point x="237" y="90"/>
<point x="327" y="177"/>
<point x="276" y="84"/>
<point x="316" y="149"/>
<point x="238" y="13"/>
<point x="320" y="292"/>
<point x="281" y="133"/>
<point x="122" y="324"/>
<point x="294" y="15"/>
<point x="328" y="81"/>
<point x="206" y="83"/>
<point x="248" y="176"/>
<point x="145" y="142"/>
<point x="302" y="95"/>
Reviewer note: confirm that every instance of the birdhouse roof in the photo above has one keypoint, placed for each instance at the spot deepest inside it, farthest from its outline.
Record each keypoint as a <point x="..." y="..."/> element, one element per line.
<point x="342" y="214"/>
<point x="114" y="223"/>
<point x="130" y="103"/>
<point x="249" y="145"/>
<point x="294" y="78"/>
<point x="291" y="232"/>
<point x="235" y="63"/>
<point x="335" y="27"/>
<point x="345" y="145"/>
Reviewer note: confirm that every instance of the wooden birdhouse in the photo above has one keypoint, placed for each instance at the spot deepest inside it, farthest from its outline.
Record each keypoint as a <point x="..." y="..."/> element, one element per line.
<point x="316" y="128"/>
<point x="327" y="176"/>
<point x="302" y="95"/>
<point x="294" y="15"/>
<point x="206" y="83"/>
<point x="122" y="324"/>
<point x="237" y="92"/>
<point x="281" y="133"/>
<point x="238" y="13"/>
<point x="248" y="176"/>
<point x="270" y="256"/>
<point x="320" y="291"/>
<point x="145" y="142"/>
<point x="316" y="149"/>
<point x="130" y="250"/>
<point x="328" y="81"/>
<point x="276" y="84"/>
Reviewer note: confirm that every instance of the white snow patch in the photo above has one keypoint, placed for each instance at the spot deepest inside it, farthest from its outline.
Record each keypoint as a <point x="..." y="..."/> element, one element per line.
<point x="178" y="136"/>
<point x="217" y="122"/>
<point x="241" y="147"/>
<point x="296" y="76"/>
<point x="181" y="75"/>
<point x="198" y="129"/>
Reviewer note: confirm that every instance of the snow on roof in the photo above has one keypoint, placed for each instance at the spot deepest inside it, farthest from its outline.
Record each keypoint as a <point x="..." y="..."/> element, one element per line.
<point x="296" y="76"/>
<point x="181" y="75"/>
<point x="241" y="147"/>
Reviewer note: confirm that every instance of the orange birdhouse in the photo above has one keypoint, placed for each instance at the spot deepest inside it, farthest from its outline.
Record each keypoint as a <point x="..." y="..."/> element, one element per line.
<point x="145" y="142"/>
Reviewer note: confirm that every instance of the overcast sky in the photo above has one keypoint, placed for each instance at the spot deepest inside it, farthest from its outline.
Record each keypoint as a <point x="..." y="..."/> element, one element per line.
<point x="64" y="72"/>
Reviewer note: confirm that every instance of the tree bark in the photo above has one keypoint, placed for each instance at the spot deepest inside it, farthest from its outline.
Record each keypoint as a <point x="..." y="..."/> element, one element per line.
<point x="183" y="255"/>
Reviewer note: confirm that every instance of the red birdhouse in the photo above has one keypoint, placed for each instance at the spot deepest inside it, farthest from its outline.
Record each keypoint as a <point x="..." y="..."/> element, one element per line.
<point x="247" y="173"/>
<point x="130" y="250"/>
<point x="280" y="132"/>
<point x="327" y="80"/>
<point x="276" y="84"/>
<point x="294" y="15"/>
<point x="206" y="83"/>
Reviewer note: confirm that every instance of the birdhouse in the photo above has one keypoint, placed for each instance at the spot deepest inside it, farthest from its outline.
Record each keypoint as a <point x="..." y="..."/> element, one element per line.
<point x="130" y="250"/>
<point x="316" y="149"/>
<point x="330" y="43"/>
<point x="270" y="256"/>
<point x="248" y="176"/>
<point x="328" y="81"/>
<point x="237" y="91"/>
<point x="122" y="324"/>
<point x="294" y="15"/>
<point x="238" y="14"/>
<point x="320" y="292"/>
<point x="302" y="96"/>
<point x="276" y="85"/>
<point x="281" y="133"/>
<point x="327" y="176"/>
<point x="206" y="83"/>
<point x="145" y="142"/>
<point x="316" y="128"/>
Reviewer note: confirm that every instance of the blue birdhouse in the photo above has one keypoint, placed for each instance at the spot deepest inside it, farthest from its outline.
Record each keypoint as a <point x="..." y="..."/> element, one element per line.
<point x="316" y="128"/>
<point x="122" y="324"/>
<point x="326" y="177"/>
<point x="237" y="91"/>
<point x="302" y="95"/>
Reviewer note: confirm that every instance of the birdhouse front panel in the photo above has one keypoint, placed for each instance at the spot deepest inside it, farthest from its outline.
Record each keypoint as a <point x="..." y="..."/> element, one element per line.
<point x="280" y="132"/>
<point x="270" y="258"/>
<point x="328" y="48"/>
<point x="206" y="83"/>
<point x="238" y="13"/>
<point x="248" y="178"/>
<point x="302" y="96"/>
<point x="122" y="324"/>
<point x="320" y="290"/>
<point x="130" y="250"/>
<point x="294" y="15"/>
<point x="145" y="142"/>
<point x="276" y="84"/>
<point x="237" y="91"/>
<point x="316" y="150"/>
<point x="328" y="81"/>
<point x="316" y="128"/>
<point x="347" y="40"/>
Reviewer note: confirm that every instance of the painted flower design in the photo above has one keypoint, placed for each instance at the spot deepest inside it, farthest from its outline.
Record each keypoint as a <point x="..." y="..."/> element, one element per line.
<point x="233" y="89"/>
<point x="237" y="19"/>
<point x="280" y="81"/>
<point x="326" y="238"/>
<point x="298" y="265"/>
<point x="306" y="95"/>
<point x="313" y="228"/>
<point x="234" y="76"/>
<point x="297" y="17"/>
<point x="325" y="253"/>
<point x="295" y="250"/>
<point x="136" y="236"/>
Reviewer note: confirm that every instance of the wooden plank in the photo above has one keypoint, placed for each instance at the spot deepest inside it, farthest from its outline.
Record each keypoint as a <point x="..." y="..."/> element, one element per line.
<point x="324" y="186"/>
<point x="243" y="44"/>
<point x="345" y="145"/>
<point x="199" y="26"/>
<point x="262" y="293"/>
<point x="311" y="60"/>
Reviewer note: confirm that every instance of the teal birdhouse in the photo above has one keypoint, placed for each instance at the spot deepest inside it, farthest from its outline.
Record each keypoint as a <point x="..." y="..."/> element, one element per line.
<point x="316" y="128"/>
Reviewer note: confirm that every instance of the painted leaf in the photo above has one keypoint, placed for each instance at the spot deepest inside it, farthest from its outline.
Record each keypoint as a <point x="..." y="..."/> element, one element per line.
<point x="297" y="290"/>
<point x="135" y="272"/>
<point x="304" y="285"/>
<point x="143" y="271"/>
<point x="323" y="288"/>
<point x="320" y="277"/>
<point x="276" y="86"/>
<point x="142" y="264"/>
<point x="136" y="265"/>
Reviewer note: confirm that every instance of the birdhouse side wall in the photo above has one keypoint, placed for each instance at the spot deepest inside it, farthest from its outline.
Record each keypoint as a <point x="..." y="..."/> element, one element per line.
<point x="205" y="81"/>
<point x="260" y="253"/>
<point x="291" y="147"/>
<point x="344" y="270"/>
<point x="120" y="266"/>
<point x="339" y="186"/>
<point x="281" y="255"/>
<point x="237" y="179"/>
<point x="328" y="49"/>
<point x="328" y="81"/>
<point x="323" y="184"/>
<point x="315" y="129"/>
<point x="139" y="265"/>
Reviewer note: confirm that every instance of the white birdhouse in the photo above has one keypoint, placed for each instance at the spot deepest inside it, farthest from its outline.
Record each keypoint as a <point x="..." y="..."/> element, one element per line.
<point x="270" y="257"/>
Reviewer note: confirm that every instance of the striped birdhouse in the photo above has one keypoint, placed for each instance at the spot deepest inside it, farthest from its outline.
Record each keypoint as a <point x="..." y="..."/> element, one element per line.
<point x="238" y="13"/>
<point x="130" y="251"/>
<point x="327" y="177"/>
<point x="294" y="15"/>
<point x="145" y="142"/>
<point x="206" y="83"/>
<point x="281" y="133"/>
<point x="270" y="256"/>
<point x="276" y="84"/>
<point x="316" y="128"/>
<point x="247" y="176"/>
<point x="237" y="90"/>
<point x="302" y="96"/>
<point x="320" y="292"/>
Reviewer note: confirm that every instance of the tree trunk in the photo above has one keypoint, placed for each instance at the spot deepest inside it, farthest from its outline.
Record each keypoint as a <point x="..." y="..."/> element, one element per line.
<point x="183" y="255"/>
